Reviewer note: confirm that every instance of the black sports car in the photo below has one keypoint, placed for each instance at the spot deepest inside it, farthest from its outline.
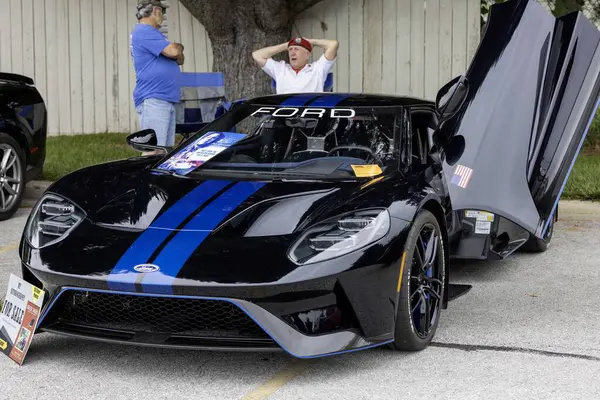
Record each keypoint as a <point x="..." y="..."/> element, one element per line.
<point x="22" y="139"/>
<point x="322" y="223"/>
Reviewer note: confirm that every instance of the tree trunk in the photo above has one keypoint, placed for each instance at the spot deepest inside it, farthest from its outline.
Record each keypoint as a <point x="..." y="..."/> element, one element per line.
<point x="243" y="77"/>
<point x="238" y="27"/>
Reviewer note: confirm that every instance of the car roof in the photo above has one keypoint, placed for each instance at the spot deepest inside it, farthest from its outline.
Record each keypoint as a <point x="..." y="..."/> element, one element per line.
<point x="337" y="99"/>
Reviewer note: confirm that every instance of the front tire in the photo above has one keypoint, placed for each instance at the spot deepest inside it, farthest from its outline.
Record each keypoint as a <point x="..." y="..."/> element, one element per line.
<point x="422" y="286"/>
<point x="12" y="176"/>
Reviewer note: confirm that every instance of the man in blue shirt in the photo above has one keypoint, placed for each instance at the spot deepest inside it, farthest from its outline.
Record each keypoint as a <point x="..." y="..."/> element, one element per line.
<point x="156" y="62"/>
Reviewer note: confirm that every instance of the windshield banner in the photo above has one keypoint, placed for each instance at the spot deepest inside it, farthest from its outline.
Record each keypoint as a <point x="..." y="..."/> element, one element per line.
<point x="19" y="317"/>
<point x="200" y="151"/>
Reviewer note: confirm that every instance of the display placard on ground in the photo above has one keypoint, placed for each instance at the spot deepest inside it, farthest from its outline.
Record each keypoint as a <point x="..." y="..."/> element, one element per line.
<point x="19" y="317"/>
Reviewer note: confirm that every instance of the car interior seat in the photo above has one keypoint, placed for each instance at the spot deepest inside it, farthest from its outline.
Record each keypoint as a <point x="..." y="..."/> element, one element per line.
<point x="424" y="123"/>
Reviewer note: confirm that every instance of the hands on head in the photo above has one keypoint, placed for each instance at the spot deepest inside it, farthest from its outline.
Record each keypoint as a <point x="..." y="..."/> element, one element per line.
<point x="299" y="50"/>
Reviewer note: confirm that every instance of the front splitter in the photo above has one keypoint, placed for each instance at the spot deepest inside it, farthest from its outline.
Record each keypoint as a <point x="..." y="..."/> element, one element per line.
<point x="290" y="340"/>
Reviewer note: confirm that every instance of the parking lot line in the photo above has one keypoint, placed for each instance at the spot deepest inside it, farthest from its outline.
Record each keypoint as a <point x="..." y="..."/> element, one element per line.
<point x="278" y="380"/>
<point x="10" y="247"/>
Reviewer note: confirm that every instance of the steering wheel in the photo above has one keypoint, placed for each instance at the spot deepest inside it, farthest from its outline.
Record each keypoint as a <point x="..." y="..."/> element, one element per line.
<point x="366" y="149"/>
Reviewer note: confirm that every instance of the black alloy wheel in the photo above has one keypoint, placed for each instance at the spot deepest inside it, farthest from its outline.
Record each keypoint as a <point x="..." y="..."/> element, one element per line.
<point x="422" y="286"/>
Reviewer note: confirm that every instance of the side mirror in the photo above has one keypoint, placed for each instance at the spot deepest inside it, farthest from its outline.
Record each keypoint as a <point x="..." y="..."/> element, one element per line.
<point x="145" y="140"/>
<point x="451" y="97"/>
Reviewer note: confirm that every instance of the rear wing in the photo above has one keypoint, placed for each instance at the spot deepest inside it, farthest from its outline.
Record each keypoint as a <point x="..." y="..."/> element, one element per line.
<point x="6" y="76"/>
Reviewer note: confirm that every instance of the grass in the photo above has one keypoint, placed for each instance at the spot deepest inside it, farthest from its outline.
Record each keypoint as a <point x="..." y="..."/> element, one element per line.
<point x="584" y="181"/>
<point x="66" y="154"/>
<point x="69" y="153"/>
<point x="592" y="141"/>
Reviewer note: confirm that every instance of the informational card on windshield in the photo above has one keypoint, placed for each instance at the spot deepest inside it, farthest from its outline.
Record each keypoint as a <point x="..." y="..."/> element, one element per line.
<point x="200" y="151"/>
<point x="19" y="317"/>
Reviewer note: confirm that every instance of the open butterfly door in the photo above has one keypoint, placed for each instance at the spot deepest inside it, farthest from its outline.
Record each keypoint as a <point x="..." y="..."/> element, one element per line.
<point x="513" y="125"/>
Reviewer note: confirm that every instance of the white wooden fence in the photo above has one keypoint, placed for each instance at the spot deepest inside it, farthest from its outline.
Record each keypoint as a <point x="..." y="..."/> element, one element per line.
<point x="77" y="51"/>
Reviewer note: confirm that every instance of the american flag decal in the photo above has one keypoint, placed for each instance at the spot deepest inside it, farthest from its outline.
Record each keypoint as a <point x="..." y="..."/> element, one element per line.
<point x="462" y="175"/>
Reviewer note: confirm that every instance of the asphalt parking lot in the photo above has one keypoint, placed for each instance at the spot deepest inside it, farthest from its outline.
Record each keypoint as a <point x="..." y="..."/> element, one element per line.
<point x="529" y="328"/>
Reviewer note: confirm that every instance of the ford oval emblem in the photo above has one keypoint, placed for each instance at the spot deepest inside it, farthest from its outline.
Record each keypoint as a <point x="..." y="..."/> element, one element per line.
<point x="146" y="268"/>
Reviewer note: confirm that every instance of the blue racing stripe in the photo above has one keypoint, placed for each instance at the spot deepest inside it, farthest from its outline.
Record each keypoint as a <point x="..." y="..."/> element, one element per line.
<point x="298" y="100"/>
<point x="123" y="277"/>
<point x="328" y="100"/>
<point x="182" y="246"/>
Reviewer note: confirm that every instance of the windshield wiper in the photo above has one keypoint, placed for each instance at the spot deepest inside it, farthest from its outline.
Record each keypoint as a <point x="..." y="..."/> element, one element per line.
<point x="272" y="175"/>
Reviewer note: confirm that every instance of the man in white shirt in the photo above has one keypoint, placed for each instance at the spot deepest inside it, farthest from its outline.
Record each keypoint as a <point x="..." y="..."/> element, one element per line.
<point x="298" y="76"/>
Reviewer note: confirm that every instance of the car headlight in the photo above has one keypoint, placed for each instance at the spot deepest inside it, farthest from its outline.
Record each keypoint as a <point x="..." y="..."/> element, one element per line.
<point x="339" y="236"/>
<point x="52" y="220"/>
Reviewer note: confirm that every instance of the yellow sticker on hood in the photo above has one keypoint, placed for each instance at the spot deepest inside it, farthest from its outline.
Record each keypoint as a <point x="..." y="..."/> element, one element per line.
<point x="364" y="171"/>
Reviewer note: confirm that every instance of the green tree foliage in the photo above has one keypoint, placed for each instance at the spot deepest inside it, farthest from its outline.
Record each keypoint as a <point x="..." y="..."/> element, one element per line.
<point x="558" y="7"/>
<point x="593" y="10"/>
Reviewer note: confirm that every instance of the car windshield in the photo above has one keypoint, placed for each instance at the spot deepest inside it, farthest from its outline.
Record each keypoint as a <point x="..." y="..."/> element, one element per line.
<point x="336" y="142"/>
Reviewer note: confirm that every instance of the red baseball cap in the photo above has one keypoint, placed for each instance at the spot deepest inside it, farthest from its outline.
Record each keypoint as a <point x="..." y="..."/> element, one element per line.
<point x="298" y="41"/>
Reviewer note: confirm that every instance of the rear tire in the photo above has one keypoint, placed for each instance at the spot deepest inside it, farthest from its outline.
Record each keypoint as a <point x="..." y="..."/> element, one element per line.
<point x="422" y="287"/>
<point x="12" y="176"/>
<point x="536" y="245"/>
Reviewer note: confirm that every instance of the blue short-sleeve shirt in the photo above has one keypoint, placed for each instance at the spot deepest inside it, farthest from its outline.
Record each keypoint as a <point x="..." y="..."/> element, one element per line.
<point x="157" y="76"/>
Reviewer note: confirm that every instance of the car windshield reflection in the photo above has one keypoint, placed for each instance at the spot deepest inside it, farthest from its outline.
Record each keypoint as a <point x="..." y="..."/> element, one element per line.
<point x="292" y="142"/>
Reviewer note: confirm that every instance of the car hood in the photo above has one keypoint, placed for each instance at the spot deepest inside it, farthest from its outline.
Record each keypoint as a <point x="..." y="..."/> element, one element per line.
<point x="145" y="200"/>
<point x="209" y="231"/>
<point x="275" y="208"/>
